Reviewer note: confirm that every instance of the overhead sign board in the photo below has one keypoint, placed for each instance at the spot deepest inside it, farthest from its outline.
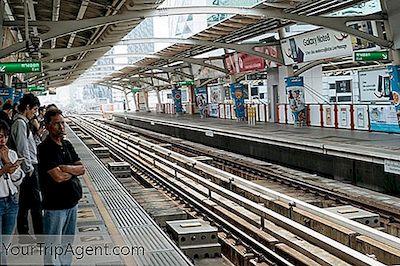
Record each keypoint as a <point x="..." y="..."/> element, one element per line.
<point x="136" y="89"/>
<point x="20" y="67"/>
<point x="36" y="88"/>
<point x="257" y="76"/>
<point x="316" y="45"/>
<point x="20" y="85"/>
<point x="186" y="83"/>
<point x="371" y="56"/>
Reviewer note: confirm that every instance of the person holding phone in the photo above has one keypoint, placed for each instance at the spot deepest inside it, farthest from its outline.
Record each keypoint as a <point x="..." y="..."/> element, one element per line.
<point x="11" y="176"/>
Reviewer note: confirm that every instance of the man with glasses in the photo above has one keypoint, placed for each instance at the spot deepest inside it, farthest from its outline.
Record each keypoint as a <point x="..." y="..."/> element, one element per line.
<point x="25" y="146"/>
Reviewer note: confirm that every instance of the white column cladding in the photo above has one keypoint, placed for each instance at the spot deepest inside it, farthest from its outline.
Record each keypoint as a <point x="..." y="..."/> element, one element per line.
<point x="159" y="104"/>
<point x="393" y="11"/>
<point x="146" y="100"/>
<point x="272" y="81"/>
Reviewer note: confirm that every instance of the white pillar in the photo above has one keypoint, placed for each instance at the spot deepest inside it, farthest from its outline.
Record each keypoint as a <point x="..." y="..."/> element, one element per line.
<point x="159" y="109"/>
<point x="126" y="101"/>
<point x="146" y="100"/>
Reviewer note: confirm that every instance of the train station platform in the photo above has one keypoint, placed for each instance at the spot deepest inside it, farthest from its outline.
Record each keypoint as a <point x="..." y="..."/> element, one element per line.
<point x="112" y="228"/>
<point x="366" y="159"/>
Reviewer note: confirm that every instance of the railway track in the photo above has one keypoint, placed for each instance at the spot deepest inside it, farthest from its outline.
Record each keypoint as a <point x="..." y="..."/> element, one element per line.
<point x="236" y="196"/>
<point x="280" y="178"/>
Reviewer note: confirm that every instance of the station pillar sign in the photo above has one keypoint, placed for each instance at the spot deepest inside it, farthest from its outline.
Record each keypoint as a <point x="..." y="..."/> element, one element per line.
<point x="20" y="67"/>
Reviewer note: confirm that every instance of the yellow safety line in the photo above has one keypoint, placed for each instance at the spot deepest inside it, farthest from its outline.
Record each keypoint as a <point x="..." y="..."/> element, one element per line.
<point x="115" y="234"/>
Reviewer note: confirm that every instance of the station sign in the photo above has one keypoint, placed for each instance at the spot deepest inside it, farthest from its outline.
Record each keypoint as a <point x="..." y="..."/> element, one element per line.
<point x="186" y="83"/>
<point x="20" y="67"/>
<point x="371" y="56"/>
<point x="136" y="89"/>
<point x="20" y="85"/>
<point x="36" y="88"/>
<point x="257" y="76"/>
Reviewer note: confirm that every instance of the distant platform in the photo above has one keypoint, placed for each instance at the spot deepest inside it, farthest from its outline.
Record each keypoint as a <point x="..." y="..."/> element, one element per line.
<point x="368" y="159"/>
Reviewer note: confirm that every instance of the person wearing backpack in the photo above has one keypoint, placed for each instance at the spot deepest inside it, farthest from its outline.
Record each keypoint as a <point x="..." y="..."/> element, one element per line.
<point x="25" y="146"/>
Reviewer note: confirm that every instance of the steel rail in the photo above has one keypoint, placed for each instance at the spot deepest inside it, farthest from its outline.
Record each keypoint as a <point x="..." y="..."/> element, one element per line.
<point x="341" y="250"/>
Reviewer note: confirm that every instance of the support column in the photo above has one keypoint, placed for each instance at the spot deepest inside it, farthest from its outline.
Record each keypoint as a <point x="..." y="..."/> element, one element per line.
<point x="146" y="100"/>
<point x="160" y="108"/>
<point x="1" y="23"/>
<point x="282" y="35"/>
<point x="136" y="101"/>
<point x="392" y="8"/>
<point x="126" y="101"/>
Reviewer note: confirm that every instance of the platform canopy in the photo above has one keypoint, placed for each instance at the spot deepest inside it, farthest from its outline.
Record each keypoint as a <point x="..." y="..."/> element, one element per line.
<point x="77" y="33"/>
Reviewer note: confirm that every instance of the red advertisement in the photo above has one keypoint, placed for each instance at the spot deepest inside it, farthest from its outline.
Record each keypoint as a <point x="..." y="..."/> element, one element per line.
<point x="241" y="62"/>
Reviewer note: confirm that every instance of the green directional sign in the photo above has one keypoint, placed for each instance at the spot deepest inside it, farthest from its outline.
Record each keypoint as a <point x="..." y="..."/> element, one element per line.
<point x="20" y="67"/>
<point x="136" y="89"/>
<point x="36" y="88"/>
<point x="371" y="56"/>
<point x="186" y="83"/>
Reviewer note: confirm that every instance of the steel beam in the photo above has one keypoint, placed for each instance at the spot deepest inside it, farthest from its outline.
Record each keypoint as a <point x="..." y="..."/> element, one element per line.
<point x="61" y="28"/>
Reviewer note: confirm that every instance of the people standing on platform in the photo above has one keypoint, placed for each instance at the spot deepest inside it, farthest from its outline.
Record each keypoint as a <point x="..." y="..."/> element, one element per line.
<point x="59" y="168"/>
<point x="25" y="146"/>
<point x="11" y="176"/>
<point x="6" y="113"/>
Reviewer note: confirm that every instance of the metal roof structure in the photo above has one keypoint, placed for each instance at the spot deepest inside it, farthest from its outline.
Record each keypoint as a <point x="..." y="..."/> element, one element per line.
<point x="77" y="33"/>
<point x="62" y="70"/>
<point x="232" y="31"/>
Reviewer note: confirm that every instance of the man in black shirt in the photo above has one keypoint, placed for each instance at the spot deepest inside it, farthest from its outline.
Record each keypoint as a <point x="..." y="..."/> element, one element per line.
<point x="59" y="166"/>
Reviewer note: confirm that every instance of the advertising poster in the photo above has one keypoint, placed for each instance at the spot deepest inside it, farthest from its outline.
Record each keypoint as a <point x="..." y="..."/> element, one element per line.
<point x="216" y="97"/>
<point x="296" y="99"/>
<point x="237" y="96"/>
<point x="360" y="117"/>
<point x="176" y="95"/>
<point x="201" y="100"/>
<point x="328" y="116"/>
<point x="242" y="62"/>
<point x="374" y="85"/>
<point x="343" y="117"/>
<point x="394" y="76"/>
<point x="384" y="118"/>
<point x="6" y="95"/>
<point x="316" y="45"/>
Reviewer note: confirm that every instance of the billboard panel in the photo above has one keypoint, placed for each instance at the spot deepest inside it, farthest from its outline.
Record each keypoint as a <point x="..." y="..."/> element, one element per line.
<point x="316" y="45"/>
<point x="296" y="99"/>
<point x="374" y="85"/>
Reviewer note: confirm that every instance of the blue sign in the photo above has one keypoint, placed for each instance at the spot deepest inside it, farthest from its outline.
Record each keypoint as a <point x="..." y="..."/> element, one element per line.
<point x="6" y="95"/>
<point x="384" y="118"/>
<point x="296" y="99"/>
<point x="18" y="95"/>
<point x="237" y="91"/>
<point x="177" y="96"/>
